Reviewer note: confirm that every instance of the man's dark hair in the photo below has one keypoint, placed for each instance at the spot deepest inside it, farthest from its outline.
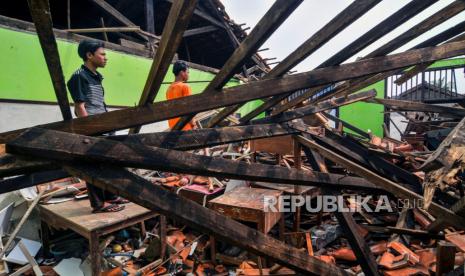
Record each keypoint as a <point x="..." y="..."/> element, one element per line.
<point x="88" y="46"/>
<point x="179" y="66"/>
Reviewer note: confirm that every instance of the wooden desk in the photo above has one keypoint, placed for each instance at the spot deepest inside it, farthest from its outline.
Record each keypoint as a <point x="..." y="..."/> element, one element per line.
<point x="247" y="204"/>
<point x="77" y="215"/>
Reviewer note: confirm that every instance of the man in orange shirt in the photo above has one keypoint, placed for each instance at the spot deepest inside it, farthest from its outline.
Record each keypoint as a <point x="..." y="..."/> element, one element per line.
<point x="179" y="89"/>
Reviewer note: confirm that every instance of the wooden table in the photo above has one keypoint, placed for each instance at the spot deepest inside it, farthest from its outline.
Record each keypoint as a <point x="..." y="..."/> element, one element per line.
<point x="77" y="215"/>
<point x="247" y="204"/>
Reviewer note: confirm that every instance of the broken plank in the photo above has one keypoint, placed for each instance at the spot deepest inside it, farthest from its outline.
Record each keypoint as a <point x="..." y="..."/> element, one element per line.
<point x="449" y="217"/>
<point x="151" y="196"/>
<point x="41" y="15"/>
<point x="68" y="147"/>
<point x="274" y="17"/>
<point x="124" y="118"/>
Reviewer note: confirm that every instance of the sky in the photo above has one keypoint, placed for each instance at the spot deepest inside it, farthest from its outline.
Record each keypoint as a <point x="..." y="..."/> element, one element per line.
<point x="312" y="15"/>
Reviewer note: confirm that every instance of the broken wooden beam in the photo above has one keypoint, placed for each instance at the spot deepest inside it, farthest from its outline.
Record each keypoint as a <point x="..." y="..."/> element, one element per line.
<point x="124" y="118"/>
<point x="25" y="181"/>
<point x="151" y="196"/>
<point x="350" y="228"/>
<point x="387" y="25"/>
<point x="401" y="192"/>
<point x="69" y="147"/>
<point x="180" y="140"/>
<point x="399" y="105"/>
<point x="423" y="66"/>
<point x="331" y="29"/>
<point x="312" y="109"/>
<point x="41" y="15"/>
<point x="412" y="33"/>
<point x="274" y="17"/>
<point x="176" y="23"/>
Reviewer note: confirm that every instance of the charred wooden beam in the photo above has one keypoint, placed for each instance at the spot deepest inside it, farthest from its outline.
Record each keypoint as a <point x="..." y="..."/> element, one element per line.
<point x="202" y="138"/>
<point x="273" y="18"/>
<point x="387" y="25"/>
<point x="350" y="228"/>
<point x="308" y="110"/>
<point x="331" y="29"/>
<point x="67" y="147"/>
<point x="151" y="196"/>
<point x="40" y="13"/>
<point x="401" y="192"/>
<point x="400" y="105"/>
<point x="25" y="181"/>
<point x="423" y="66"/>
<point x="179" y="140"/>
<point x="11" y="165"/>
<point x="121" y="119"/>
<point x="178" y="19"/>
<point x="354" y="151"/>
<point x="357" y="84"/>
<point x="422" y="27"/>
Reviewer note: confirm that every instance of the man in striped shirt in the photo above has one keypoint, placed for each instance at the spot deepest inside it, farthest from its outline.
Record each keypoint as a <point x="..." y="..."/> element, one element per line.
<point x="86" y="89"/>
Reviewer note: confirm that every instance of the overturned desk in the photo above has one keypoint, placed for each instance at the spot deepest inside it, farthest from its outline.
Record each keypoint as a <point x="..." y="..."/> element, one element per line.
<point x="77" y="215"/>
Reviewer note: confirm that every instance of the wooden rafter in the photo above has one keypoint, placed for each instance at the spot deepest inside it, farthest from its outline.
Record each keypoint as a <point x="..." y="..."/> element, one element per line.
<point x="176" y="24"/>
<point x="401" y="192"/>
<point x="398" y="18"/>
<point x="178" y="140"/>
<point x="273" y="18"/>
<point x="417" y="30"/>
<point x="151" y="196"/>
<point x="121" y="119"/>
<point x="117" y="15"/>
<point x="68" y="147"/>
<point x="40" y="12"/>
<point x="332" y="28"/>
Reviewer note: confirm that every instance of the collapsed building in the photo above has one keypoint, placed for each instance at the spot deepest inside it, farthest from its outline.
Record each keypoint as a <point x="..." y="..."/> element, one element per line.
<point x="382" y="137"/>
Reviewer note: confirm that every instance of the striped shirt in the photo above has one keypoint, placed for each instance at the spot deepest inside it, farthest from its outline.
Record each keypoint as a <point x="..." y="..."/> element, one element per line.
<point x="86" y="86"/>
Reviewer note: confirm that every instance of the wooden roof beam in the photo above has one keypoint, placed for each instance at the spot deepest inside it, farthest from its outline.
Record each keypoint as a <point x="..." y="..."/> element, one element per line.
<point x="40" y="13"/>
<point x="331" y="29"/>
<point x="273" y="18"/>
<point x="398" y="18"/>
<point x="124" y="118"/>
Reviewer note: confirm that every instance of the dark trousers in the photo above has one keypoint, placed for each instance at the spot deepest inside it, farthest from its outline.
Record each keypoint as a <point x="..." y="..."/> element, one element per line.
<point x="97" y="196"/>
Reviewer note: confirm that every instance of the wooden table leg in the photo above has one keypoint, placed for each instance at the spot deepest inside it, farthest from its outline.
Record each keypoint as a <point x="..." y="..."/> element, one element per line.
<point x="95" y="254"/>
<point x="143" y="231"/>
<point x="162" y="237"/>
<point x="45" y="235"/>
<point x="213" y="249"/>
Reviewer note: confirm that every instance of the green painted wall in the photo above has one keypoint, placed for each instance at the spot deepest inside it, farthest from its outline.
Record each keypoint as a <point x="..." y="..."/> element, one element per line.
<point x="367" y="116"/>
<point x="25" y="76"/>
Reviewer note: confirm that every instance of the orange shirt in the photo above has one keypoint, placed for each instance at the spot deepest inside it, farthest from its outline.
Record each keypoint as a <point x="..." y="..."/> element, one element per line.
<point x="178" y="90"/>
